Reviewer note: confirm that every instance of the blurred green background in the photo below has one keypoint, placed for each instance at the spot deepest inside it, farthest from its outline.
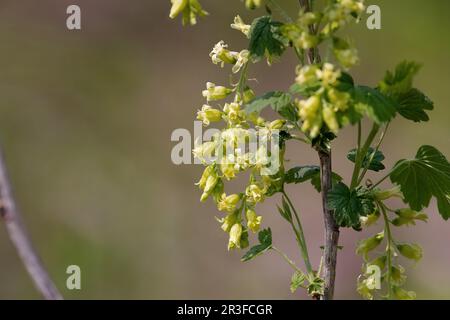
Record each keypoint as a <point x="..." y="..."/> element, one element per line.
<point x="86" y="118"/>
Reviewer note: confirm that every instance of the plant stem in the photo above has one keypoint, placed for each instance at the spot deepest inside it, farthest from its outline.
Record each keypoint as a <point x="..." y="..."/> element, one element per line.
<point x="281" y="11"/>
<point x="373" y="154"/>
<point x="286" y="258"/>
<point x="300" y="236"/>
<point x="331" y="228"/>
<point x="361" y="155"/>
<point x="20" y="239"/>
<point x="388" y="247"/>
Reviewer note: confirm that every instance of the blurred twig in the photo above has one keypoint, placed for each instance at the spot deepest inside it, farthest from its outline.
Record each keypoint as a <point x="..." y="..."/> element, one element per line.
<point x="19" y="237"/>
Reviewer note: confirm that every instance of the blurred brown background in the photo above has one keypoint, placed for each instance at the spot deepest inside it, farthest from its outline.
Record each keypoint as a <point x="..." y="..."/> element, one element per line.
<point x="86" y="118"/>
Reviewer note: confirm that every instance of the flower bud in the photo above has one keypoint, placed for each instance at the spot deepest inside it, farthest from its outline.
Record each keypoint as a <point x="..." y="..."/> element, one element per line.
<point x="235" y="236"/>
<point x="367" y="245"/>
<point x="277" y="124"/>
<point x="382" y="195"/>
<point x="177" y="7"/>
<point x="398" y="276"/>
<point x="208" y="115"/>
<point x="253" y="221"/>
<point x="209" y="187"/>
<point x="253" y="4"/>
<point x="411" y="251"/>
<point x="402" y="294"/>
<point x="206" y="173"/>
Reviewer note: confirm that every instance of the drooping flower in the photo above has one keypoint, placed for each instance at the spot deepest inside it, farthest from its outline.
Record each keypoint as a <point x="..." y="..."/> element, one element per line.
<point x="253" y="220"/>
<point x="208" y="114"/>
<point x="189" y="9"/>
<point x="221" y="55"/>
<point x="242" y="59"/>
<point x="228" y="203"/>
<point x="213" y="92"/>
<point x="235" y="236"/>
<point x="241" y="26"/>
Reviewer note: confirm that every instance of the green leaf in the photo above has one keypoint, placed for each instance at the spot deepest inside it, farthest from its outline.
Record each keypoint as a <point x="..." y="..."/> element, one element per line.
<point x="265" y="38"/>
<point x="411" y="105"/>
<point x="379" y="107"/>
<point x="376" y="163"/>
<point x="265" y="244"/>
<point x="280" y="102"/>
<point x="285" y="211"/>
<point x="400" y="81"/>
<point x="317" y="184"/>
<point x="304" y="173"/>
<point x="345" y="82"/>
<point x="425" y="176"/>
<point x="305" y="90"/>
<point x="297" y="281"/>
<point x="301" y="174"/>
<point x="349" y="205"/>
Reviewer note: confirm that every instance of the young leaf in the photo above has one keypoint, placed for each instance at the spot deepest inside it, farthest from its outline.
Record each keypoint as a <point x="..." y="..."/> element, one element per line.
<point x="265" y="243"/>
<point x="297" y="280"/>
<point x="400" y="81"/>
<point x="412" y="105"/>
<point x="423" y="177"/>
<point x="348" y="205"/>
<point x="379" y="107"/>
<point x="285" y="211"/>
<point x="374" y="165"/>
<point x="279" y="101"/>
<point x="265" y="38"/>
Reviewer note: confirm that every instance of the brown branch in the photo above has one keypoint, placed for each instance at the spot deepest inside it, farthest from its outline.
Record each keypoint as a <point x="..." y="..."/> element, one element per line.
<point x="331" y="228"/>
<point x="20" y="239"/>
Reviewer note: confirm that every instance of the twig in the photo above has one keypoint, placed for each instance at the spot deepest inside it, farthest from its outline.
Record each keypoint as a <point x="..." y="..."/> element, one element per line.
<point x="331" y="228"/>
<point x="20" y="239"/>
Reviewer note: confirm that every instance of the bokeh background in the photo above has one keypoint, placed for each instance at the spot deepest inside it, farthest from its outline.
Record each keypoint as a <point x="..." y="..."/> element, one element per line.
<point x="86" y="119"/>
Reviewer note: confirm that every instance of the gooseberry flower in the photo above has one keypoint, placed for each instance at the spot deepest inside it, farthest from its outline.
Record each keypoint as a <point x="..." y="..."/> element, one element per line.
<point x="242" y="59"/>
<point x="213" y="92"/>
<point x="235" y="236"/>
<point x="241" y="26"/>
<point x="208" y="114"/>
<point x="221" y="55"/>
<point x="228" y="203"/>
<point x="253" y="221"/>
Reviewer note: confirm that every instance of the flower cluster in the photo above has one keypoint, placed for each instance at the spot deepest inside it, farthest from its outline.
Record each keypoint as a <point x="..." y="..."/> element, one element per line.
<point x="323" y="106"/>
<point x="246" y="143"/>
